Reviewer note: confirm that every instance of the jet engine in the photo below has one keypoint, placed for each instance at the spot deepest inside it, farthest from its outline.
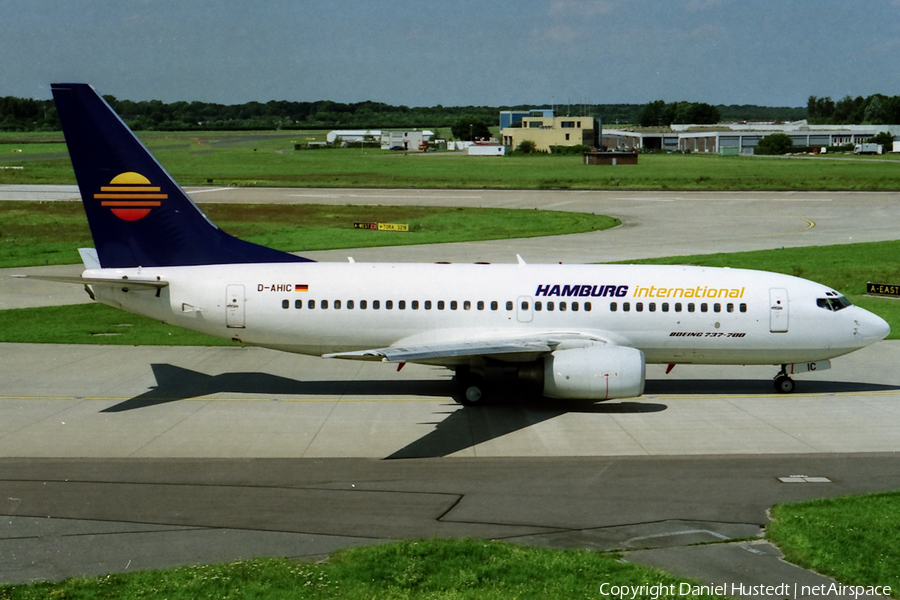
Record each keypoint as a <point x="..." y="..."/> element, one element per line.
<point x="594" y="372"/>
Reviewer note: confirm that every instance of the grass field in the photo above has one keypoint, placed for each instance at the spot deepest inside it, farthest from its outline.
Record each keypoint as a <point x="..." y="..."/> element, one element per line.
<point x="855" y="539"/>
<point x="269" y="159"/>
<point x="50" y="233"/>
<point x="434" y="569"/>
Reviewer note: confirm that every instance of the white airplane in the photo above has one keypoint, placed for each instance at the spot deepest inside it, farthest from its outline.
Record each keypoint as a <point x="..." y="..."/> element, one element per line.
<point x="576" y="331"/>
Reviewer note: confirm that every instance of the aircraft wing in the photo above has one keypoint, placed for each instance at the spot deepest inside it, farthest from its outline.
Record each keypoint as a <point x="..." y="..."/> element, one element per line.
<point x="446" y="351"/>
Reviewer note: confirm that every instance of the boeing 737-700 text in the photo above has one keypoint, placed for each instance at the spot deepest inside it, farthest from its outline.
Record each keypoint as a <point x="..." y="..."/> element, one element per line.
<point x="576" y="331"/>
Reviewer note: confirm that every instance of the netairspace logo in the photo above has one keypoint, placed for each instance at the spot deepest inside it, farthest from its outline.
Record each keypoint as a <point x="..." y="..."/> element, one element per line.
<point x="783" y="590"/>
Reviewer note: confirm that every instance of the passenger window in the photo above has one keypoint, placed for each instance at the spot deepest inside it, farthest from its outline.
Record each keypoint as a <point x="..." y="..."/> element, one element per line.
<point x="587" y="306"/>
<point x="678" y="307"/>
<point x="538" y="305"/>
<point x="562" y="306"/>
<point x="453" y="305"/>
<point x="415" y="305"/>
<point x="337" y="304"/>
<point x="467" y="305"/>
<point x="285" y="304"/>
<point x="575" y="306"/>
<point x="704" y="307"/>
<point x="626" y="306"/>
<point x="613" y="307"/>
<point x="324" y="303"/>
<point x="550" y="306"/>
<point x="401" y="305"/>
<point x="481" y="305"/>
<point x="349" y="304"/>
<point x="729" y="307"/>
<point x="509" y="305"/>
<point x="652" y="307"/>
<point x="639" y="306"/>
<point x="717" y="307"/>
<point x="440" y="305"/>
<point x="376" y="304"/>
<point x="691" y="307"/>
<point x="362" y="305"/>
<point x="389" y="304"/>
<point x="428" y="305"/>
<point x="743" y="307"/>
<point x="298" y="303"/>
<point x="665" y="307"/>
<point x="524" y="305"/>
<point x="311" y="304"/>
<point x="494" y="305"/>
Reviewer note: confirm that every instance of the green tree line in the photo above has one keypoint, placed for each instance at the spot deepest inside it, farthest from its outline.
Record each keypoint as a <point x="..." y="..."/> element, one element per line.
<point x="876" y="109"/>
<point x="22" y="114"/>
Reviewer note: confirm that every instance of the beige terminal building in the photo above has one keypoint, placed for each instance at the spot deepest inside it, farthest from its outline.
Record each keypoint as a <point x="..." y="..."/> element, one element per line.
<point x="545" y="129"/>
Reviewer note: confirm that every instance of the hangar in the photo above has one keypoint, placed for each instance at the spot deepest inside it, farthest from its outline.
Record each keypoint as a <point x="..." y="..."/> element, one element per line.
<point x="738" y="138"/>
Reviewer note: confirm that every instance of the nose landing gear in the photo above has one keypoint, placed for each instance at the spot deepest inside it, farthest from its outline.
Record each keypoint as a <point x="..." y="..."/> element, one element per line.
<point x="783" y="383"/>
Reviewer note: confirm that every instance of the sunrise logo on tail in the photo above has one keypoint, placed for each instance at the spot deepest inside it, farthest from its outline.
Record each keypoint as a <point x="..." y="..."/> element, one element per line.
<point x="130" y="196"/>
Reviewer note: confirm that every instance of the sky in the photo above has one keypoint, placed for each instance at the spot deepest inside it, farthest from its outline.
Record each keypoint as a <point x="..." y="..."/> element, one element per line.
<point x="454" y="52"/>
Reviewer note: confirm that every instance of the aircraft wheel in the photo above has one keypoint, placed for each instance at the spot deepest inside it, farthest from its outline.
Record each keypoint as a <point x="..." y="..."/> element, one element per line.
<point x="784" y="384"/>
<point x="472" y="391"/>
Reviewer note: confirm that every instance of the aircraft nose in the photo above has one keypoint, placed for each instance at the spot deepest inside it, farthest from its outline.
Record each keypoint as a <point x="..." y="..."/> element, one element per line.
<point x="871" y="328"/>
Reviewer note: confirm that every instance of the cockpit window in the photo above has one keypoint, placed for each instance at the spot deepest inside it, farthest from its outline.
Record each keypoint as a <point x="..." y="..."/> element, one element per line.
<point x="833" y="303"/>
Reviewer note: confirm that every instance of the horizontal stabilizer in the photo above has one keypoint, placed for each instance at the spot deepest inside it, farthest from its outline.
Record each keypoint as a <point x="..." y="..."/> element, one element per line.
<point x="147" y="284"/>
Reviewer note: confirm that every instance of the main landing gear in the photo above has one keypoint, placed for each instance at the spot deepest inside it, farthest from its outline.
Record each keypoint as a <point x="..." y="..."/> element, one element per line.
<point x="471" y="387"/>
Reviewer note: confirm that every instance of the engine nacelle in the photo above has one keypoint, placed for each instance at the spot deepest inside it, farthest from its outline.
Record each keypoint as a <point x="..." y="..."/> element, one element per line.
<point x="594" y="372"/>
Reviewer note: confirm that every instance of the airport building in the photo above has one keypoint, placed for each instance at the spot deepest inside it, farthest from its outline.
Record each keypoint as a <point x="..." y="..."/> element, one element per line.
<point x="351" y="136"/>
<point x="739" y="138"/>
<point x="508" y="118"/>
<point x="405" y="140"/>
<point x="545" y="129"/>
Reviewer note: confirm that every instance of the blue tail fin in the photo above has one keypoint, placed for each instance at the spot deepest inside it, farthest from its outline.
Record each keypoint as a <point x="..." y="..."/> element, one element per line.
<point x="137" y="213"/>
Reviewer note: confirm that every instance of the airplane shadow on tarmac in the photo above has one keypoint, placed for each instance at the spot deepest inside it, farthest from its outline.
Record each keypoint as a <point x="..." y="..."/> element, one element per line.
<point x="463" y="427"/>
<point x="757" y="387"/>
<point x="466" y="427"/>
<point x="176" y="383"/>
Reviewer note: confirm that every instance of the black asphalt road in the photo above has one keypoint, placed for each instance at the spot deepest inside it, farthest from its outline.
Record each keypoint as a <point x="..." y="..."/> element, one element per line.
<point x="65" y="517"/>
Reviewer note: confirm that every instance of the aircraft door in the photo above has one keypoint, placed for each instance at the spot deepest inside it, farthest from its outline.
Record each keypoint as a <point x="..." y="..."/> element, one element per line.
<point x="525" y="309"/>
<point x="234" y="306"/>
<point x="778" y="310"/>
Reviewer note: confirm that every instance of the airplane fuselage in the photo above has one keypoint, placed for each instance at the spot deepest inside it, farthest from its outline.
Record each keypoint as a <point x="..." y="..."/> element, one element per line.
<point x="672" y="314"/>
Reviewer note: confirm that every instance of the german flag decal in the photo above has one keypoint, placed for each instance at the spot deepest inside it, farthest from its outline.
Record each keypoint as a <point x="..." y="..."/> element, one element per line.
<point x="130" y="196"/>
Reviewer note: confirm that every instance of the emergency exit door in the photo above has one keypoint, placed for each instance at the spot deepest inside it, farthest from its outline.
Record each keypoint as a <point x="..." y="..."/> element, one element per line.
<point x="525" y="311"/>
<point x="778" y="310"/>
<point x="234" y="306"/>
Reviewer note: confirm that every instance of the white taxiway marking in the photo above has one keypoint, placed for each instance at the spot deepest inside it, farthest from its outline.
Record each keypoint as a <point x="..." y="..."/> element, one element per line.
<point x="424" y="196"/>
<point x="225" y="189"/>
